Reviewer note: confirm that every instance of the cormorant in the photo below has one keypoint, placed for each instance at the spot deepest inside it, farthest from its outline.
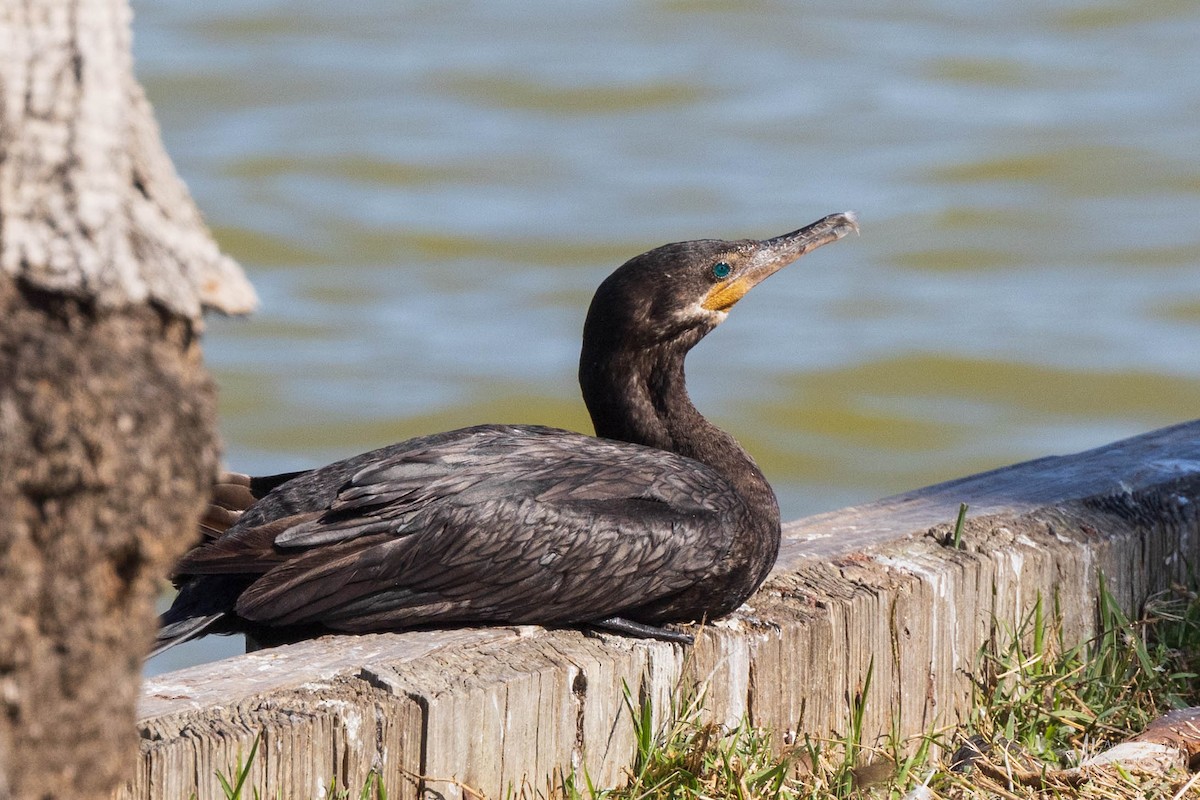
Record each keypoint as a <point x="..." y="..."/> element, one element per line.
<point x="659" y="518"/>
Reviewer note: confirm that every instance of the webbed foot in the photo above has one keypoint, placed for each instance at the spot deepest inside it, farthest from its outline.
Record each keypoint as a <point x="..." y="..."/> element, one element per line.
<point x="642" y="631"/>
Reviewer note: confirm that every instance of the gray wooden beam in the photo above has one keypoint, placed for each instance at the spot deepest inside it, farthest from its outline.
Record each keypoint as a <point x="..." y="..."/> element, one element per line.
<point x="869" y="586"/>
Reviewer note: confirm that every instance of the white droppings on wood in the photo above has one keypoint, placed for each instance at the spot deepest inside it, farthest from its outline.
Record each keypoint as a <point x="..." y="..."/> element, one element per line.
<point x="1016" y="562"/>
<point x="350" y="716"/>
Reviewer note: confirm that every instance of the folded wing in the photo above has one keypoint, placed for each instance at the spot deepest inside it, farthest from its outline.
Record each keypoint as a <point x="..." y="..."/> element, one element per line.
<point x="488" y="524"/>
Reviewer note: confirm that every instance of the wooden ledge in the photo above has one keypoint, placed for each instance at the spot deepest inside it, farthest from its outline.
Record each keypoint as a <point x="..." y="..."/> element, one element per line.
<point x="868" y="585"/>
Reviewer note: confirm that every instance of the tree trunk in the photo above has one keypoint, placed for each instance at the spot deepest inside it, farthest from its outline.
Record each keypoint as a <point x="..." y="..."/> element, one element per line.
<point x="107" y="432"/>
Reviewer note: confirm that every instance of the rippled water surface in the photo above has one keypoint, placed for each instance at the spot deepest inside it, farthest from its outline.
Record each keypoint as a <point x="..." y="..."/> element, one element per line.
<point x="425" y="196"/>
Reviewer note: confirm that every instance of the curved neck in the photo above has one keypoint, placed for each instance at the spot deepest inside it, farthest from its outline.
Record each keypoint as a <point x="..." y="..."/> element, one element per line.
<point x="642" y="398"/>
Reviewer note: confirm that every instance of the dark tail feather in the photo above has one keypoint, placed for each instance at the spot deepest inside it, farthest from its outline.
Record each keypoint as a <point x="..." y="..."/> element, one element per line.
<point x="185" y="630"/>
<point x="202" y="604"/>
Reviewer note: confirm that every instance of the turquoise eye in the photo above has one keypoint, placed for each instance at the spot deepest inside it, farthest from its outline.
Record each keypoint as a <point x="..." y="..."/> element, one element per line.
<point x="721" y="269"/>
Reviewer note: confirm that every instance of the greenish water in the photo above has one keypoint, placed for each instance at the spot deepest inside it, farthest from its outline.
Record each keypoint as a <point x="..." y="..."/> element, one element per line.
<point x="425" y="196"/>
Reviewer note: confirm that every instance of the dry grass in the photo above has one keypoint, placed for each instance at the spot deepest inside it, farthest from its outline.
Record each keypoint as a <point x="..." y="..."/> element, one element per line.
<point x="1041" y="708"/>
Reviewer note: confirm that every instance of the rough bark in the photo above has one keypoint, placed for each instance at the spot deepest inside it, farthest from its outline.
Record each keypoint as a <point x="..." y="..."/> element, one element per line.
<point x="106" y="451"/>
<point x="107" y="432"/>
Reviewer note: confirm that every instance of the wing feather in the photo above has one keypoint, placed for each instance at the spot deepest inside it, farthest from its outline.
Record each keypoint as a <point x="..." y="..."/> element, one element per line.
<point x="494" y="523"/>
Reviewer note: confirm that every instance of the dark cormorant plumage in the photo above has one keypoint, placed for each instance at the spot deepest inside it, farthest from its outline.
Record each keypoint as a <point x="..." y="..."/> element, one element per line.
<point x="659" y="518"/>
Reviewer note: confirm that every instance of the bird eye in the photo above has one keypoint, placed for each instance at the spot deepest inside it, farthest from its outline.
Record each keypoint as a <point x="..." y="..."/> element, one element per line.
<point x="721" y="270"/>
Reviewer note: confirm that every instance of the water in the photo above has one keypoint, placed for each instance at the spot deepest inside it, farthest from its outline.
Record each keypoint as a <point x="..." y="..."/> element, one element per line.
<point x="425" y="196"/>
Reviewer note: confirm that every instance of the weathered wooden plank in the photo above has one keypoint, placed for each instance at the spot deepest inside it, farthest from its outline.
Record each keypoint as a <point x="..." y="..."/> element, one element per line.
<point x="324" y="730"/>
<point x="1115" y="470"/>
<point x="871" y="585"/>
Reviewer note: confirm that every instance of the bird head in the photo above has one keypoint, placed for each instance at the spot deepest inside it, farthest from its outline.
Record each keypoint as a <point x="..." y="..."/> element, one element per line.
<point x="677" y="293"/>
